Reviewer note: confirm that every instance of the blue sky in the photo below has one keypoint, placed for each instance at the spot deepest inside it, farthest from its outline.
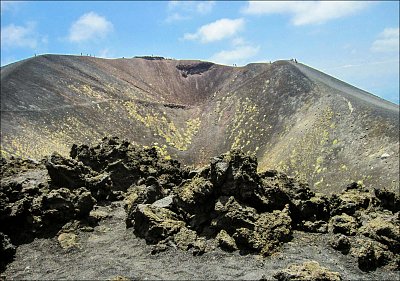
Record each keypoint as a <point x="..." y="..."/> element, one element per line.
<point x="357" y="42"/>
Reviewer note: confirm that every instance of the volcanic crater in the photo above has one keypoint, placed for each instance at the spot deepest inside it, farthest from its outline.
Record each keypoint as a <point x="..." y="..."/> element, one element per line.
<point x="126" y="169"/>
<point x="295" y="118"/>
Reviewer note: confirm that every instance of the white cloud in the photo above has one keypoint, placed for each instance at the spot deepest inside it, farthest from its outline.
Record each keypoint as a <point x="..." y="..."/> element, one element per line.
<point x="9" y="5"/>
<point x="306" y="12"/>
<point x="380" y="77"/>
<point x="205" y="7"/>
<point x="176" y="17"/>
<point x="185" y="10"/>
<point x="388" y="41"/>
<point x="20" y="36"/>
<point x="215" y="31"/>
<point x="88" y="27"/>
<point x="238" y="41"/>
<point x="364" y="64"/>
<point x="239" y="55"/>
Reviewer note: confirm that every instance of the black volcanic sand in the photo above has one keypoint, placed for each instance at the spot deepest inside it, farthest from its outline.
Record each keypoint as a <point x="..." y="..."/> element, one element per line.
<point x="112" y="250"/>
<point x="116" y="210"/>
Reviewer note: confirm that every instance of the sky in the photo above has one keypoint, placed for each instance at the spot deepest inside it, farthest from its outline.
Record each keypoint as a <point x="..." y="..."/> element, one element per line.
<point x="357" y="42"/>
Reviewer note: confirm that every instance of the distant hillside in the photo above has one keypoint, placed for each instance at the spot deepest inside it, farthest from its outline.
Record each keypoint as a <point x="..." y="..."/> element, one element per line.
<point x="293" y="117"/>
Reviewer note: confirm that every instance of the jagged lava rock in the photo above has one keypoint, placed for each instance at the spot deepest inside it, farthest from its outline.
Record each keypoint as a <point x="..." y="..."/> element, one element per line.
<point x="270" y="231"/>
<point x="372" y="255"/>
<point x="155" y="224"/>
<point x="310" y="270"/>
<point x="7" y="250"/>
<point x="341" y="243"/>
<point x="384" y="228"/>
<point x="344" y="224"/>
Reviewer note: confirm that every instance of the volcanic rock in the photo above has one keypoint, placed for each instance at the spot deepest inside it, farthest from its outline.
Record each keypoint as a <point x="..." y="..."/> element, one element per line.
<point x="66" y="172"/>
<point x="270" y="230"/>
<point x="353" y="198"/>
<point x="232" y="215"/>
<point x="7" y="250"/>
<point x="141" y="194"/>
<point x="372" y="255"/>
<point x="384" y="228"/>
<point x="314" y="226"/>
<point x="67" y="240"/>
<point x="341" y="243"/>
<point x="235" y="173"/>
<point x="387" y="199"/>
<point x="344" y="224"/>
<point x="225" y="241"/>
<point x="193" y="195"/>
<point x="31" y="207"/>
<point x="155" y="224"/>
<point x="224" y="204"/>
<point x="83" y="202"/>
<point x="310" y="270"/>
<point x="185" y="238"/>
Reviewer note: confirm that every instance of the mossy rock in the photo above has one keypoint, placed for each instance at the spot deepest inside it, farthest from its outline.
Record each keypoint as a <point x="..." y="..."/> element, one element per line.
<point x="340" y="243"/>
<point x="193" y="197"/>
<point x="232" y="215"/>
<point x="372" y="255"/>
<point x="66" y="172"/>
<point x="155" y="224"/>
<point x="344" y="224"/>
<point x="270" y="231"/>
<point x="385" y="229"/>
<point x="309" y="270"/>
<point x="185" y="238"/>
<point x="7" y="250"/>
<point x="193" y="192"/>
<point x="226" y="242"/>
<point x="68" y="240"/>
<point x="354" y="198"/>
<point x="136" y="195"/>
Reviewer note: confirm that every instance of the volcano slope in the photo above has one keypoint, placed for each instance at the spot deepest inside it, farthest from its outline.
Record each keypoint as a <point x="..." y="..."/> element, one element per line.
<point x="295" y="118"/>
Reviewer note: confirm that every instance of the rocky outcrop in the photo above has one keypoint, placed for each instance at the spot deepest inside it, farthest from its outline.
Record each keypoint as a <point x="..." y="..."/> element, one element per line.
<point x="225" y="241"/>
<point x="384" y="228"/>
<point x="310" y="270"/>
<point x="195" y="68"/>
<point x="270" y="230"/>
<point x="30" y="207"/>
<point x="154" y="223"/>
<point x="228" y="202"/>
<point x="344" y="224"/>
<point x="7" y="250"/>
<point x="309" y="211"/>
<point x="225" y="204"/>
<point x="341" y="243"/>
<point x="373" y="221"/>
<point x="352" y="200"/>
<point x="127" y="164"/>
